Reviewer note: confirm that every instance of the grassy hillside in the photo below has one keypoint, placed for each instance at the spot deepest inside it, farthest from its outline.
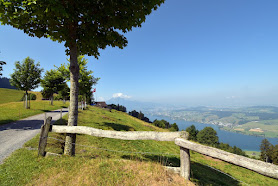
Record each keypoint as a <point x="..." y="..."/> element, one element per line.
<point x="14" y="111"/>
<point x="102" y="161"/>
<point x="11" y="95"/>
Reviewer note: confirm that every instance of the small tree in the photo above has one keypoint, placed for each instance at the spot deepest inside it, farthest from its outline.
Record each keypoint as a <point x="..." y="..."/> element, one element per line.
<point x="53" y="82"/>
<point x="26" y="76"/>
<point x="192" y="131"/>
<point x="208" y="136"/>
<point x="266" y="150"/>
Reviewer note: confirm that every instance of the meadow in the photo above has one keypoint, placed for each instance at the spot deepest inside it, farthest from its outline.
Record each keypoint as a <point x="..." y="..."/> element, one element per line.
<point x="103" y="161"/>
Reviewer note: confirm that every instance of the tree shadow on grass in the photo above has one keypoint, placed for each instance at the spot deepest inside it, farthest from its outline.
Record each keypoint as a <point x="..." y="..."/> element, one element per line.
<point x="118" y="127"/>
<point x="200" y="174"/>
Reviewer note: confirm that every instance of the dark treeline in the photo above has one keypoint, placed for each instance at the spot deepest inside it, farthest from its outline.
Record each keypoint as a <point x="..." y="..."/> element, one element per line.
<point x="5" y="83"/>
<point x="159" y="123"/>
<point x="140" y="116"/>
<point x="269" y="152"/>
<point x="117" y="107"/>
<point x="208" y="136"/>
<point x="166" y="125"/>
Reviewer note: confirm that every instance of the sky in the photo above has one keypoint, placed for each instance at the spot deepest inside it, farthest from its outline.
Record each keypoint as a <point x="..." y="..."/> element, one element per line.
<point x="190" y="52"/>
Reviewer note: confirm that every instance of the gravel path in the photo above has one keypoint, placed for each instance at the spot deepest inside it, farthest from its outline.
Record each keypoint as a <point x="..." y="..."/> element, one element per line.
<point x="14" y="135"/>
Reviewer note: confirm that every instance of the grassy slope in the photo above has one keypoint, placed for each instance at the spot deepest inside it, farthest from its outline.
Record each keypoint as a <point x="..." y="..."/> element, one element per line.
<point x="94" y="165"/>
<point x="14" y="111"/>
<point x="10" y="95"/>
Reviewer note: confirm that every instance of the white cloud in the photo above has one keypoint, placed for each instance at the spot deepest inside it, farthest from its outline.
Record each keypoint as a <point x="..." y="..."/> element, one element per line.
<point x="120" y="95"/>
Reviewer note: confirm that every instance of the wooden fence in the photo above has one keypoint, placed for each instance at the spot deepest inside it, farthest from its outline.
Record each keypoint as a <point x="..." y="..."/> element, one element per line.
<point x="180" y="139"/>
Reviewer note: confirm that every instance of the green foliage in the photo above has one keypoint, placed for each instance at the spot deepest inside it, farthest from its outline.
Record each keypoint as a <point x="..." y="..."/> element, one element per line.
<point x="174" y="127"/>
<point x="192" y="131"/>
<point x="228" y="148"/>
<point x="30" y="96"/>
<point x="117" y="107"/>
<point x="86" y="79"/>
<point x="52" y="82"/>
<point x="26" y="75"/>
<point x="91" y="25"/>
<point x="266" y="151"/>
<point x="166" y="125"/>
<point x="208" y="136"/>
<point x="139" y="115"/>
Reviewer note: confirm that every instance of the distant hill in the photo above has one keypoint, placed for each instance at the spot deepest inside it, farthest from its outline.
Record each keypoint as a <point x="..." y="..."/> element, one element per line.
<point x="5" y="83"/>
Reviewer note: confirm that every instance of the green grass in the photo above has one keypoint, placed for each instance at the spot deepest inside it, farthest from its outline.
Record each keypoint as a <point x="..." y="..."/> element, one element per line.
<point x="14" y="111"/>
<point x="10" y="95"/>
<point x="254" y="154"/>
<point x="93" y="165"/>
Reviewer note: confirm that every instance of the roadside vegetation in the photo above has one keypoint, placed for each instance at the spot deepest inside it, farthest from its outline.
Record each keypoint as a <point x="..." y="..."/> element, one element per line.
<point x="103" y="161"/>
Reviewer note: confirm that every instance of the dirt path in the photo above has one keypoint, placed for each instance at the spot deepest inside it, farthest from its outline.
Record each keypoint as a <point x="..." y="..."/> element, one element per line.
<point x="15" y="134"/>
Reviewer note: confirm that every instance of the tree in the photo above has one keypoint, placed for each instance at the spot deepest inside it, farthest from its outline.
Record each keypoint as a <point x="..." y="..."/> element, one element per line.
<point x="266" y="150"/>
<point x="192" y="131"/>
<point x="86" y="78"/>
<point x="26" y="76"/>
<point x="174" y="127"/>
<point x="64" y="93"/>
<point x="208" y="136"/>
<point x="275" y="155"/>
<point x="52" y="82"/>
<point x="84" y="26"/>
<point x="1" y="68"/>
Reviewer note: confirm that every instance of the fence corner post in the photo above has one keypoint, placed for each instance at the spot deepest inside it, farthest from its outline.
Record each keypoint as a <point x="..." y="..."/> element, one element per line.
<point x="43" y="136"/>
<point x="185" y="160"/>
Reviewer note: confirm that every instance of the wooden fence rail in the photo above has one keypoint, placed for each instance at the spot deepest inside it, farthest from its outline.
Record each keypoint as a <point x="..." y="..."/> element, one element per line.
<point x="261" y="167"/>
<point x="180" y="139"/>
<point x="130" y="135"/>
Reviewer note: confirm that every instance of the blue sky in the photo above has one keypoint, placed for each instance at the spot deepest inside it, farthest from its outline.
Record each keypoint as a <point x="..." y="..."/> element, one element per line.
<point x="192" y="52"/>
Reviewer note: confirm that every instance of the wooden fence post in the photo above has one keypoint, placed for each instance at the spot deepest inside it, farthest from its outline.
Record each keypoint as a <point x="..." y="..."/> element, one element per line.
<point x="43" y="137"/>
<point x="185" y="163"/>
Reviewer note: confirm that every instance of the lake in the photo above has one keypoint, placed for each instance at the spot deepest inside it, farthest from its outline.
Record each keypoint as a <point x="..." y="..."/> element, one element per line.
<point x="245" y="142"/>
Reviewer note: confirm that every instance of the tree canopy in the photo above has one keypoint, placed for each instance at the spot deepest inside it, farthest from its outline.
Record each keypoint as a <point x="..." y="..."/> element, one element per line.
<point x="208" y="136"/>
<point x="26" y="76"/>
<point x="52" y="82"/>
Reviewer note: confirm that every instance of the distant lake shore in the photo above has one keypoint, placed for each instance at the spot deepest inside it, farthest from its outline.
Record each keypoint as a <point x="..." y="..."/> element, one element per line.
<point x="243" y="141"/>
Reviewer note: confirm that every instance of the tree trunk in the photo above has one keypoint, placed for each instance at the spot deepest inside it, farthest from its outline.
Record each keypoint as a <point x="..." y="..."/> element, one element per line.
<point x="52" y="100"/>
<point x="73" y="109"/>
<point x="26" y="100"/>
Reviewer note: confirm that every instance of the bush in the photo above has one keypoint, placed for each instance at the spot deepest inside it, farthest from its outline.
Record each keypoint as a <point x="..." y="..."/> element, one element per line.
<point x="31" y="96"/>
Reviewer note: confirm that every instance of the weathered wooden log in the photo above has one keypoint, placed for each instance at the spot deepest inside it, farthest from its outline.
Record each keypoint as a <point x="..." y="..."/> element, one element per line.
<point x="261" y="167"/>
<point x="185" y="163"/>
<point x="130" y="135"/>
<point x="43" y="136"/>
